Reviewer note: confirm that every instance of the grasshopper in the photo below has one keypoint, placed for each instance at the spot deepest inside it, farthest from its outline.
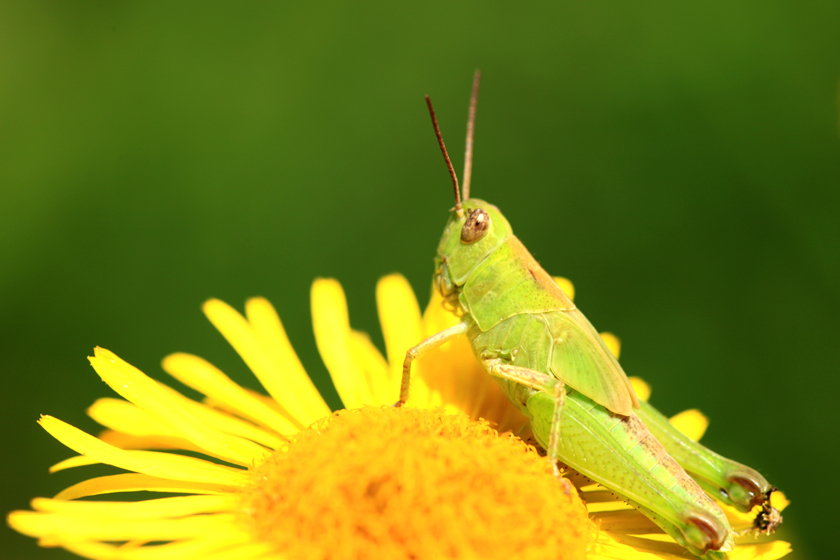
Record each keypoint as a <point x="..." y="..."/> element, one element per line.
<point x="553" y="365"/>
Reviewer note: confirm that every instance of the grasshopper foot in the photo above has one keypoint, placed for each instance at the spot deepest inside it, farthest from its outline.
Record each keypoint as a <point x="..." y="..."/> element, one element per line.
<point x="567" y="486"/>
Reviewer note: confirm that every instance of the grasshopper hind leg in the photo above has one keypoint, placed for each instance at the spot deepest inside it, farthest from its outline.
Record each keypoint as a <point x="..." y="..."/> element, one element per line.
<point x="621" y="454"/>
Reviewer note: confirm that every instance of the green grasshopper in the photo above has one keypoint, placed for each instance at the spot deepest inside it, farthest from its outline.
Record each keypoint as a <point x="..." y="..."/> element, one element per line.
<point x="553" y="365"/>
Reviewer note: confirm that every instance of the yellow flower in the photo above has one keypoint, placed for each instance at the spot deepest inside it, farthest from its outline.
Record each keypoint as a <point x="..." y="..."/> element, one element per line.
<point x="286" y="478"/>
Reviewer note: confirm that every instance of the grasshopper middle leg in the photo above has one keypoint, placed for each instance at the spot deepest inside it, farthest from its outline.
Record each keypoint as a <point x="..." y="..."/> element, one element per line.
<point x="541" y="382"/>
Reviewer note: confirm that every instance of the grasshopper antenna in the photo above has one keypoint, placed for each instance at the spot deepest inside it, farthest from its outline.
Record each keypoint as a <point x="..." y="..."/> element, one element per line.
<point x="470" y="133"/>
<point x="458" y="208"/>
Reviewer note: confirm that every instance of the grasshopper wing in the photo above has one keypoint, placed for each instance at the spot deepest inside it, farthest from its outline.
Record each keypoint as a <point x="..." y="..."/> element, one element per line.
<point x="580" y="359"/>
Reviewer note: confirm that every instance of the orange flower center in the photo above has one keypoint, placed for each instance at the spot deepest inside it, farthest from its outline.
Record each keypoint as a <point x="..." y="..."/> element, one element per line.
<point x="413" y="483"/>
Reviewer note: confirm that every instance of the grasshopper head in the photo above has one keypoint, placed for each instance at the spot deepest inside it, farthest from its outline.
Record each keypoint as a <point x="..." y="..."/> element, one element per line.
<point x="467" y="240"/>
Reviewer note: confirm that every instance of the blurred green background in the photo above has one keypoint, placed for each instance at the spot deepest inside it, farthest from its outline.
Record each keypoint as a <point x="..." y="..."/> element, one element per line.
<point x="679" y="161"/>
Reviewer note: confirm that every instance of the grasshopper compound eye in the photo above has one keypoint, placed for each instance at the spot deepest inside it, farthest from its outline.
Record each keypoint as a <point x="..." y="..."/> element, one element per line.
<point x="476" y="226"/>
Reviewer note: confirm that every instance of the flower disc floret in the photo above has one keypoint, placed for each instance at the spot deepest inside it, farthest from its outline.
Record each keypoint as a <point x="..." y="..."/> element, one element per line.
<point x="413" y="483"/>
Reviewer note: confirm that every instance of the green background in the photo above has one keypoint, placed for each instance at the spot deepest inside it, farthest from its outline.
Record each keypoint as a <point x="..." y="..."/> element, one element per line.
<point x="677" y="160"/>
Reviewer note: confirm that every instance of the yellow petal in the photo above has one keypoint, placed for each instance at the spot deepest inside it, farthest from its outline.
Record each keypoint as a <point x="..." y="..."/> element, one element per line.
<point x="159" y="508"/>
<point x="374" y="366"/>
<point x="740" y="520"/>
<point x="73" y="462"/>
<point x="306" y="403"/>
<point x="627" y="521"/>
<point x="333" y="337"/>
<point x="778" y="500"/>
<point x="238" y="332"/>
<point x="612" y="342"/>
<point x="165" y="465"/>
<point x="609" y="547"/>
<point x="236" y="426"/>
<point x="399" y="315"/>
<point x="692" y="423"/>
<point x="202" y="376"/>
<point x="641" y="388"/>
<point x="125" y="417"/>
<point x="130" y="428"/>
<point x="567" y="286"/>
<point x="204" y="548"/>
<point x="148" y="395"/>
<point x="127" y="441"/>
<point x="73" y="526"/>
<point x="764" y="551"/>
<point x="134" y="482"/>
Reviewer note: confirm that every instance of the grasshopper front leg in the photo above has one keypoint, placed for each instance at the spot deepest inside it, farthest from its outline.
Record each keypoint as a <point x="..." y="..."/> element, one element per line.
<point x="415" y="352"/>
